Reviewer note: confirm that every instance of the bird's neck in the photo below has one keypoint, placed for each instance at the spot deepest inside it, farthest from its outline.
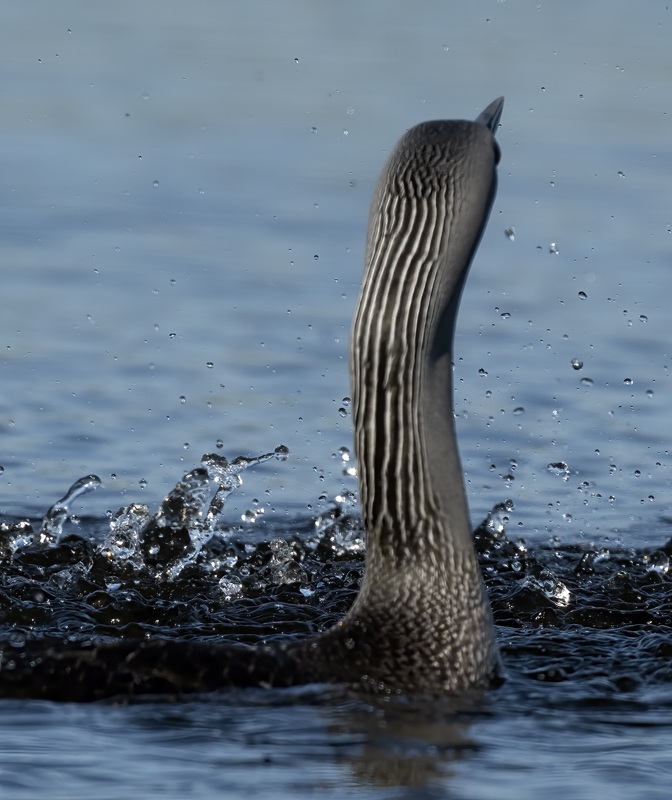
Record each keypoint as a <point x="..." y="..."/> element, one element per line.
<point x="411" y="486"/>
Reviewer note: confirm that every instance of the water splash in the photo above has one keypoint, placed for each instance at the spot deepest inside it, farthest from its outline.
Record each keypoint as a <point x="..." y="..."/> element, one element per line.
<point x="539" y="577"/>
<point x="495" y="521"/>
<point x="283" y="567"/>
<point x="135" y="546"/>
<point x="177" y="532"/>
<point x="125" y="526"/>
<point x="227" y="476"/>
<point x="54" y="519"/>
<point x="168" y="534"/>
<point x="339" y="531"/>
<point x="554" y="604"/>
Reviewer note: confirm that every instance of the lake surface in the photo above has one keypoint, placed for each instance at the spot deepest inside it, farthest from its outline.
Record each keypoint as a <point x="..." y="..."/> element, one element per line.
<point x="184" y="199"/>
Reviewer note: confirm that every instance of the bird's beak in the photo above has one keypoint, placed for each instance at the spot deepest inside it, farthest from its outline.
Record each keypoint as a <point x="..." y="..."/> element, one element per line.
<point x="490" y="117"/>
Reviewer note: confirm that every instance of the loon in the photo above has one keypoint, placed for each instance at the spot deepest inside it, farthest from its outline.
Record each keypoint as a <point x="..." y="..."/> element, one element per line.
<point x="421" y="622"/>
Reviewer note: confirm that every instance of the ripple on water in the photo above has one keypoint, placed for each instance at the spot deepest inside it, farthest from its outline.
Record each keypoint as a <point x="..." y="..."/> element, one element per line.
<point x="572" y="613"/>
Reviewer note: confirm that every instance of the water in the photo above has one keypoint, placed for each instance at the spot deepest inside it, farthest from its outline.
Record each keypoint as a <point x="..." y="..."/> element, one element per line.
<point x="119" y="293"/>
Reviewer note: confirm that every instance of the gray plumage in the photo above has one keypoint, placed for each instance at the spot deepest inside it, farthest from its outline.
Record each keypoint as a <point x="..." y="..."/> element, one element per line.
<point x="421" y="621"/>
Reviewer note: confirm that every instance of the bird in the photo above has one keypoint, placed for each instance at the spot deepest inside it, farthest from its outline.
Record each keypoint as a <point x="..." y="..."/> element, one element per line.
<point x="421" y="622"/>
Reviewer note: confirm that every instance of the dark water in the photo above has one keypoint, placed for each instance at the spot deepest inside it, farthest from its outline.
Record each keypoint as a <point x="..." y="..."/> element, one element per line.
<point x="169" y="175"/>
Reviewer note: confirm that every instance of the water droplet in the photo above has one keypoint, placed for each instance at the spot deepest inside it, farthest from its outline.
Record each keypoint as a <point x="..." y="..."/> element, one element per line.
<point x="313" y="129"/>
<point x="577" y="363"/>
<point x="155" y="184"/>
<point x="296" y="60"/>
<point x="172" y="335"/>
<point x="482" y="372"/>
<point x="586" y="382"/>
<point x="621" y="174"/>
<point x="209" y="364"/>
<point x="346" y="401"/>
<point x="145" y="96"/>
<point x="518" y="411"/>
<point x="183" y="399"/>
<point x="643" y="318"/>
<point x="559" y="468"/>
<point x="628" y="381"/>
<point x="649" y="392"/>
<point x="219" y="444"/>
<point x="282" y="452"/>
<point x="343" y="412"/>
<point x="510" y="233"/>
<point x="505" y="315"/>
<point x="488" y="393"/>
<point x="583" y="295"/>
<point x="344" y="453"/>
<point x="553" y="249"/>
<point x="143" y="483"/>
<point x="350" y="110"/>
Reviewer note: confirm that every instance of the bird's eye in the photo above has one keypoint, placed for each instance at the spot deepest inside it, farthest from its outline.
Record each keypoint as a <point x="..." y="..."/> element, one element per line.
<point x="498" y="152"/>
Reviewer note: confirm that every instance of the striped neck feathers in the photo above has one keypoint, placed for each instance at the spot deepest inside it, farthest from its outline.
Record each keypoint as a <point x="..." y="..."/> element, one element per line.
<point x="428" y="212"/>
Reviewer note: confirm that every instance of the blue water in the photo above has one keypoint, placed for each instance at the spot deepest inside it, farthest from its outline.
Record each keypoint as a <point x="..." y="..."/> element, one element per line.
<point x="264" y="128"/>
<point x="262" y="748"/>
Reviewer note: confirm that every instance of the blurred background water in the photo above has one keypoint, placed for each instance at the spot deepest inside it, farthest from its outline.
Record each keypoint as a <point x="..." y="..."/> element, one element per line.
<point x="184" y="197"/>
